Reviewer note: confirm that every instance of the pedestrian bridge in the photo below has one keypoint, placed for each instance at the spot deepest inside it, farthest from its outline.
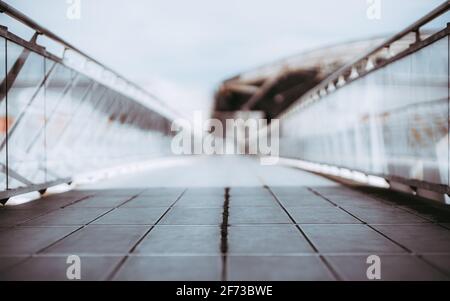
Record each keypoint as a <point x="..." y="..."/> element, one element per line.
<point x="361" y="169"/>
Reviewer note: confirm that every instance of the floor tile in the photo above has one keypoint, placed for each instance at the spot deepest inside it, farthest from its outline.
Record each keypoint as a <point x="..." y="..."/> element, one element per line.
<point x="54" y="268"/>
<point x="201" y="202"/>
<point x="304" y="201"/>
<point x="249" y="191"/>
<point x="101" y="202"/>
<point x="336" y="191"/>
<point x="389" y="215"/>
<point x="131" y="216"/>
<point x="99" y="240"/>
<point x="440" y="261"/>
<point x="150" y="202"/>
<point x="348" y="239"/>
<point x="28" y="240"/>
<point x="76" y="193"/>
<point x="10" y="261"/>
<point x="277" y="268"/>
<point x="15" y="217"/>
<point x="162" y="191"/>
<point x="181" y="240"/>
<point x="392" y="268"/>
<point x="359" y="201"/>
<point x="193" y="216"/>
<point x="170" y="268"/>
<point x="127" y="192"/>
<point x="321" y="215"/>
<point x="46" y="203"/>
<point x="68" y="216"/>
<point x="291" y="191"/>
<point x="205" y="191"/>
<point x="249" y="201"/>
<point x="273" y="239"/>
<point x="428" y="212"/>
<point x="419" y="238"/>
<point x="257" y="215"/>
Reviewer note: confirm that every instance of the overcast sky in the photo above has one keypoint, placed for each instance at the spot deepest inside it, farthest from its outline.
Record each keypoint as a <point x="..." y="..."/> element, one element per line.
<point x="193" y="45"/>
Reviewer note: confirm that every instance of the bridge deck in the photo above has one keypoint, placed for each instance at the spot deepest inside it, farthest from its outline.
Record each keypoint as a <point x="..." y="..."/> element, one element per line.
<point x="224" y="219"/>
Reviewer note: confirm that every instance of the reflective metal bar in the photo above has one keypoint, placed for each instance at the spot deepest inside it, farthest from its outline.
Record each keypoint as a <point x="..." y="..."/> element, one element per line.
<point x="9" y="79"/>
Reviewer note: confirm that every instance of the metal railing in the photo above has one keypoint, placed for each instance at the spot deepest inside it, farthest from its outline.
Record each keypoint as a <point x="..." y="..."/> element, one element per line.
<point x="368" y="62"/>
<point x="382" y="114"/>
<point x="40" y="30"/>
<point x="58" y="119"/>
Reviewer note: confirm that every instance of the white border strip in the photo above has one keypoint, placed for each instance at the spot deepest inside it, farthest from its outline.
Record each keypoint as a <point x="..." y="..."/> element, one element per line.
<point x="332" y="170"/>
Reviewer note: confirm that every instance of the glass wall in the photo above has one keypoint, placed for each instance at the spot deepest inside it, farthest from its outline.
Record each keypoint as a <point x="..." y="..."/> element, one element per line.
<point x="26" y="117"/>
<point x="393" y="121"/>
<point x="56" y="122"/>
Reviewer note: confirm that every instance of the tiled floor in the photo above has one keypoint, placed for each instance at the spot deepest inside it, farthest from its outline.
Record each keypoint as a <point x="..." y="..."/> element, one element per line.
<point x="229" y="232"/>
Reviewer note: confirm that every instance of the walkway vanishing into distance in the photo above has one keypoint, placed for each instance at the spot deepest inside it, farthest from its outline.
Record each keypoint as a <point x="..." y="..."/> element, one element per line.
<point x="224" y="218"/>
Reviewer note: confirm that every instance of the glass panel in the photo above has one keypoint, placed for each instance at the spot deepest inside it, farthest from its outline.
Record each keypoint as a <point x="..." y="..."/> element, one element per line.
<point x="62" y="123"/>
<point x="393" y="121"/>
<point x="26" y="115"/>
<point x="59" y="87"/>
<point x="87" y="146"/>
